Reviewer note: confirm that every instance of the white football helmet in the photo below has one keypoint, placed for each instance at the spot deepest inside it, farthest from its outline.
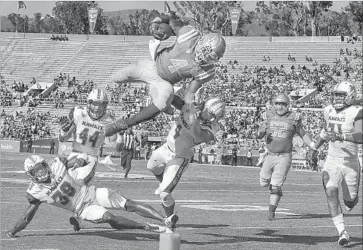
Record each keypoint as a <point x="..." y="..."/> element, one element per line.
<point x="97" y="102"/>
<point x="343" y="95"/>
<point x="282" y="103"/>
<point x="37" y="168"/>
<point x="210" y="48"/>
<point x="213" y="110"/>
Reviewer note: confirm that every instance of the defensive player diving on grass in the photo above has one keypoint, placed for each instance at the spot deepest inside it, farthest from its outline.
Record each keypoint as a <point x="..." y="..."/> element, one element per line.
<point x="51" y="183"/>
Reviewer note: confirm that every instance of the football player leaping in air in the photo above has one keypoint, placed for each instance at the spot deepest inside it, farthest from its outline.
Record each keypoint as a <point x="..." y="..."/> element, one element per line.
<point x="343" y="131"/>
<point x="86" y="126"/>
<point x="279" y="127"/>
<point x="53" y="184"/>
<point x="194" y="126"/>
<point x="193" y="55"/>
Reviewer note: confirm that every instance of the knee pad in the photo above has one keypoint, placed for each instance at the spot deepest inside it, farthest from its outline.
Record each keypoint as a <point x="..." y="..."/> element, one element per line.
<point x="264" y="182"/>
<point x="166" y="199"/>
<point x="276" y="190"/>
<point x="155" y="169"/>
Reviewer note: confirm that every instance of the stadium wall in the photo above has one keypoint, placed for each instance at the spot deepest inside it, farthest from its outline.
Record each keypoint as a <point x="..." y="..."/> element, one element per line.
<point x="147" y="38"/>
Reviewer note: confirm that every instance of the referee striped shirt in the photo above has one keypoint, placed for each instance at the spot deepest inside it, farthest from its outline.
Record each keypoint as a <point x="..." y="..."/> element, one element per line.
<point x="129" y="141"/>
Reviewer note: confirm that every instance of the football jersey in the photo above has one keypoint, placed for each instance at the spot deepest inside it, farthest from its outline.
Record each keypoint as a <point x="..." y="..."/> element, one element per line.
<point x="89" y="134"/>
<point x="282" y="130"/>
<point x="180" y="139"/>
<point x="177" y="62"/>
<point x="341" y="122"/>
<point x="63" y="191"/>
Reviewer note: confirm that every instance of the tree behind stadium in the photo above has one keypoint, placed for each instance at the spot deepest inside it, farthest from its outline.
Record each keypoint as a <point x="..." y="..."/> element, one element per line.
<point x="211" y="15"/>
<point x="74" y="17"/>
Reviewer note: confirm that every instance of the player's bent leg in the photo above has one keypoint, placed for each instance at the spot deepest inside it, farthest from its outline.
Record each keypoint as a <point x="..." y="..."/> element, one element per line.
<point x="143" y="210"/>
<point x="172" y="174"/>
<point x="130" y="72"/>
<point x="332" y="193"/>
<point x="350" y="186"/>
<point x="266" y="172"/>
<point x="162" y="94"/>
<point x="275" y="196"/>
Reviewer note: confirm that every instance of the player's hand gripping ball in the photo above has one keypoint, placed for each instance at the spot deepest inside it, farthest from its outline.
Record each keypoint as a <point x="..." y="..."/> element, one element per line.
<point x="161" y="31"/>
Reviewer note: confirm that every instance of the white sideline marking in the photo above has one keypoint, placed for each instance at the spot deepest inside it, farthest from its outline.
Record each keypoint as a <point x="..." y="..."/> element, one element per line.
<point x="235" y="208"/>
<point x="50" y="230"/>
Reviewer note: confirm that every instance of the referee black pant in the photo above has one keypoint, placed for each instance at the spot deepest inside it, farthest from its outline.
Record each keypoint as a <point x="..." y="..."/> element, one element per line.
<point x="126" y="157"/>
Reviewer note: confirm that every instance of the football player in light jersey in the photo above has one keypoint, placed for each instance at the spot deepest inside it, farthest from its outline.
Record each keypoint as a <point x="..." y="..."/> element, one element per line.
<point x="343" y="131"/>
<point x="86" y="126"/>
<point x="193" y="55"/>
<point x="53" y="184"/>
<point x="279" y="128"/>
<point x="194" y="126"/>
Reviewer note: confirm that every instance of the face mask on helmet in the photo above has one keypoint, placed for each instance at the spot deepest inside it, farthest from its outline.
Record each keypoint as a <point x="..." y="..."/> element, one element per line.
<point x="96" y="109"/>
<point x="209" y="49"/>
<point x="97" y="102"/>
<point x="212" y="110"/>
<point x="281" y="104"/>
<point x="343" y="95"/>
<point x="40" y="173"/>
<point x="281" y="108"/>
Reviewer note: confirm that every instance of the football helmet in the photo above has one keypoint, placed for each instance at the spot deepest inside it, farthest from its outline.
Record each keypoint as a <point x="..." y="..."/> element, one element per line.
<point x="343" y="95"/>
<point x="37" y="169"/>
<point x="97" y="102"/>
<point x="282" y="103"/>
<point x="212" y="110"/>
<point x="210" y="48"/>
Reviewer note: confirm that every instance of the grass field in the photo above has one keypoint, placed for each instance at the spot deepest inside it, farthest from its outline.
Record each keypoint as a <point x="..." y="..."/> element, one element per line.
<point x="220" y="208"/>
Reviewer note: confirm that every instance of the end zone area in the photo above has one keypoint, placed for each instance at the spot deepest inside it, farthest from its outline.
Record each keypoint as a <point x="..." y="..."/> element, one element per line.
<point x="220" y="207"/>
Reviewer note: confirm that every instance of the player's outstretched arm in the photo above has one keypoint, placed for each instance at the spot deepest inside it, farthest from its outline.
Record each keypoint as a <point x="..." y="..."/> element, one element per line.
<point x="67" y="127"/>
<point x="191" y="90"/>
<point x="24" y="220"/>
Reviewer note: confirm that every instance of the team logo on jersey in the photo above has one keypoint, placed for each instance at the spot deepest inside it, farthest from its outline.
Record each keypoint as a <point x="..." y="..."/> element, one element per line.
<point x="337" y="118"/>
<point x="92" y="125"/>
<point x="55" y="185"/>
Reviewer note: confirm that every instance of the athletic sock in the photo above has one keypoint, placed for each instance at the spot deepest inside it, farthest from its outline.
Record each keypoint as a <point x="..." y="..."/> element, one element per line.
<point x="272" y="208"/>
<point x="339" y="223"/>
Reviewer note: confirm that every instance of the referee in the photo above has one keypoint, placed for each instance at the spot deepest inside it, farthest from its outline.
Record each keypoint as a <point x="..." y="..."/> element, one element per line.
<point x="126" y="143"/>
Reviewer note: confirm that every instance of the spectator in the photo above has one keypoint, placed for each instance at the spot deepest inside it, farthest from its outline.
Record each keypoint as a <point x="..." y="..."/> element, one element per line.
<point x="249" y="157"/>
<point x="234" y="156"/>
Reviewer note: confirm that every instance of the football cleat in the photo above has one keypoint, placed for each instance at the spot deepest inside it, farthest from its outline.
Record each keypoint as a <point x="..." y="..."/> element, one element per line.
<point x="171" y="221"/>
<point x="343" y="238"/>
<point x="270" y="215"/>
<point x="75" y="223"/>
<point x="156" y="228"/>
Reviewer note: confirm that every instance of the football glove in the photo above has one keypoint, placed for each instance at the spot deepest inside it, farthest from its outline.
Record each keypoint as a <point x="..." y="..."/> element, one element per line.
<point x="336" y="137"/>
<point x="65" y="123"/>
<point x="311" y="156"/>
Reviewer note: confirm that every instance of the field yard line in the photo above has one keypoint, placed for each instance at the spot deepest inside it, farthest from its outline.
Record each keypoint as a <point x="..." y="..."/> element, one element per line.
<point x="179" y="229"/>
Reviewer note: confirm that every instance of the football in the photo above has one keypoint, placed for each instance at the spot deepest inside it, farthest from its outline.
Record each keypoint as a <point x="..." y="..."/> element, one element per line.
<point x="161" y="31"/>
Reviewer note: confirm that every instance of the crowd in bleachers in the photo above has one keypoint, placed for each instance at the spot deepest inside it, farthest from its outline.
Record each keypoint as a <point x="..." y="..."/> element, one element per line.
<point x="21" y="126"/>
<point x="247" y="90"/>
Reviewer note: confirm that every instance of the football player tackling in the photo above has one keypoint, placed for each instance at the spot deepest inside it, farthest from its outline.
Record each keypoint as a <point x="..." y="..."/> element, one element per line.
<point x="343" y="131"/>
<point x="193" y="55"/>
<point x="194" y="126"/>
<point x="53" y="184"/>
<point x="279" y="127"/>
